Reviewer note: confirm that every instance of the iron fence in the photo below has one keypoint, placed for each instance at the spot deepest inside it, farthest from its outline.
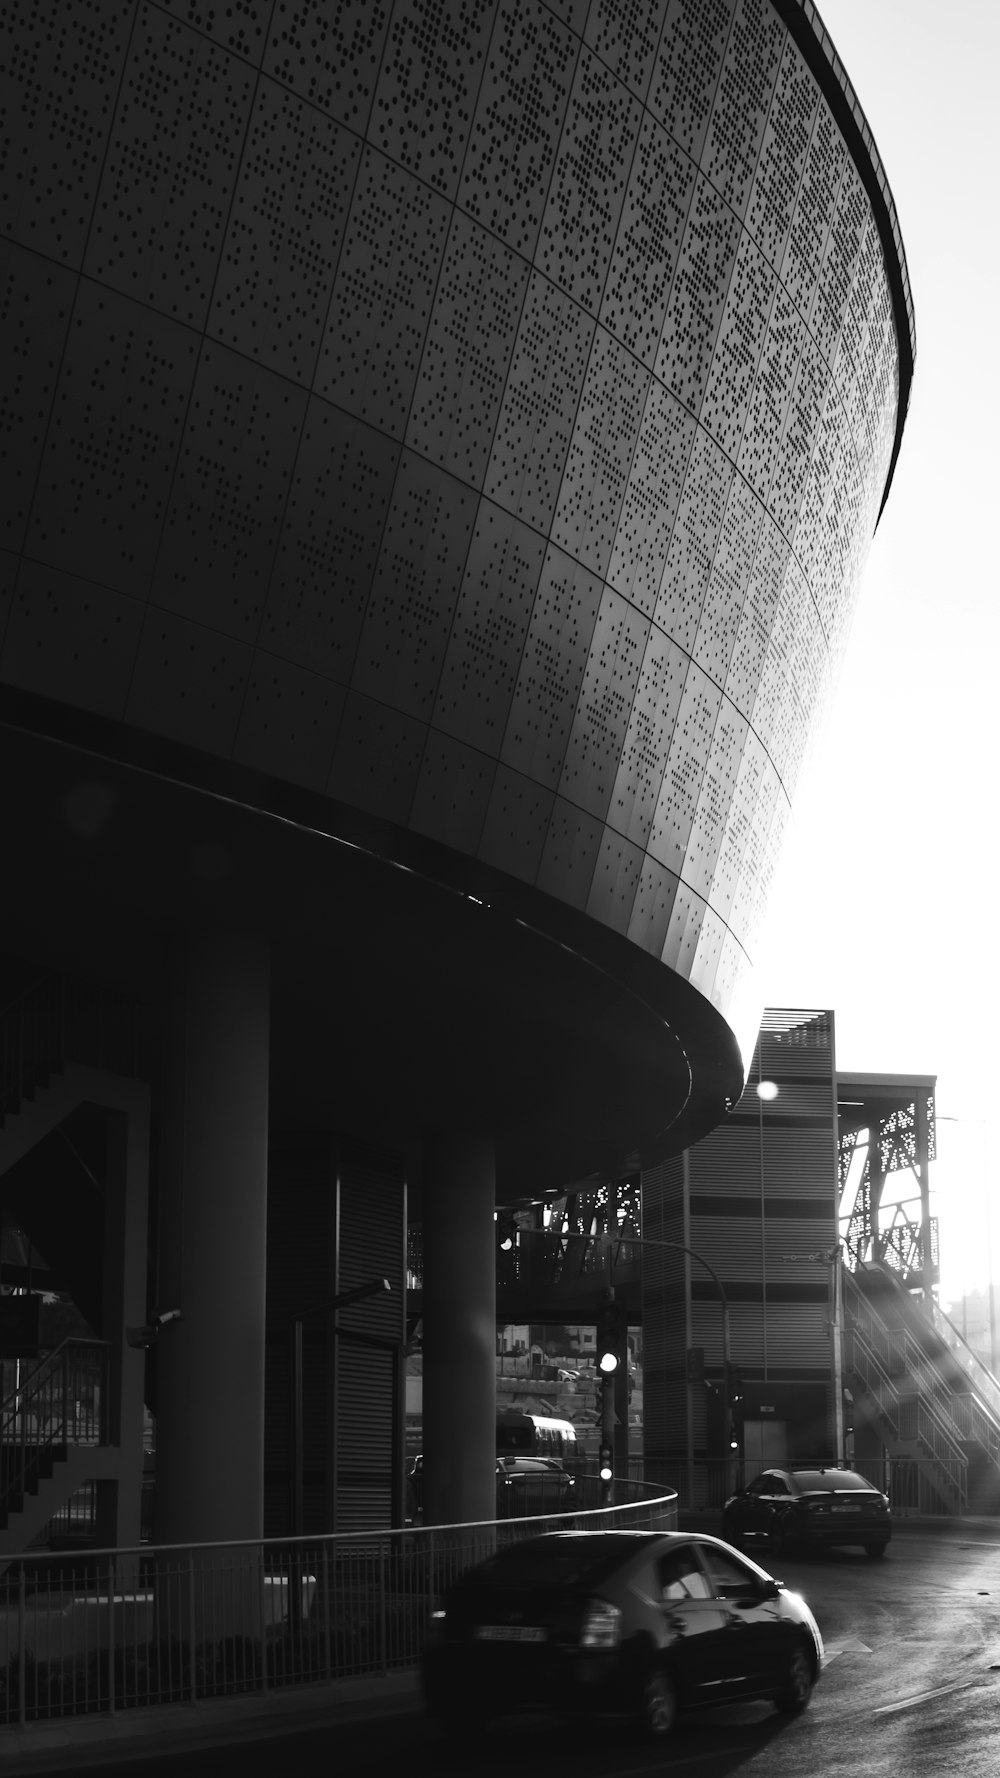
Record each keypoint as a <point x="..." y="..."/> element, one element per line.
<point x="119" y="1629"/>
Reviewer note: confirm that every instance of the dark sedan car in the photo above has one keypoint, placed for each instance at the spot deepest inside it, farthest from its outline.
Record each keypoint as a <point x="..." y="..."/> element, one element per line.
<point x="827" y="1507"/>
<point x="525" y="1486"/>
<point x="636" y="1622"/>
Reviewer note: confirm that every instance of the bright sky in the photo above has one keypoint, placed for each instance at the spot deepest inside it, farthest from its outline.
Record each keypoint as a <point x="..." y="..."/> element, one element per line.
<point x="884" y="907"/>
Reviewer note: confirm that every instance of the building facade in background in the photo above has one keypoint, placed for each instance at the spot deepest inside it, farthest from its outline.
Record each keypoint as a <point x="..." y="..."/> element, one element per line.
<point x="758" y="1201"/>
<point x="445" y="446"/>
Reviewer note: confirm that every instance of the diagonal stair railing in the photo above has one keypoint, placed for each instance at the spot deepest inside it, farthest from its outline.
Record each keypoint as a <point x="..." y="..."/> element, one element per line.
<point x="58" y="1402"/>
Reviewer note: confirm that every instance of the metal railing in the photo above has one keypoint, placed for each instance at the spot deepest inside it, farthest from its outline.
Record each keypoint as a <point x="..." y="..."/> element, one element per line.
<point x="60" y="1400"/>
<point x="917" y="1486"/>
<point x="119" y="1629"/>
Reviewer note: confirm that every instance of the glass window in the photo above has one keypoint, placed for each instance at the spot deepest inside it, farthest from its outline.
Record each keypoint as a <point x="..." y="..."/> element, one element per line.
<point x="843" y="1480"/>
<point x="680" y="1576"/>
<point x="729" y="1577"/>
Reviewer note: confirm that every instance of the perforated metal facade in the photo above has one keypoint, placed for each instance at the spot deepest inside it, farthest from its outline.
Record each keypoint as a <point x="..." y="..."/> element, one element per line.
<point x="477" y="414"/>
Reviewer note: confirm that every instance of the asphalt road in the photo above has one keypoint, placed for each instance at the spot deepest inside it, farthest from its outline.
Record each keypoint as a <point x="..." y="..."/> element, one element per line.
<point x="911" y="1688"/>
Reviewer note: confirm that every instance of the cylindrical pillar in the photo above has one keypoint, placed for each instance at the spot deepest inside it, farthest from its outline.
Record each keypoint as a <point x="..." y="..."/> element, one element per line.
<point x="459" y="1314"/>
<point x="213" y="1242"/>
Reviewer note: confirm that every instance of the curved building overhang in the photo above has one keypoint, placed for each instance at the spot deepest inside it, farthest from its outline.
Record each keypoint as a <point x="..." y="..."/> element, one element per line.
<point x="818" y="50"/>
<point x="400" y="1013"/>
<point x="439" y="500"/>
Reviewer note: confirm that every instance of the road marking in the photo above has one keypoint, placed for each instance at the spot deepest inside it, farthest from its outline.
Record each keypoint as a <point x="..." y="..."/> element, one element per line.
<point x="941" y="1691"/>
<point x="851" y="1647"/>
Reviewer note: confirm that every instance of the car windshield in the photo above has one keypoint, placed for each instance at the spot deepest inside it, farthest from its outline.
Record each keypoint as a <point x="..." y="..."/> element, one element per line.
<point x="843" y="1480"/>
<point x="557" y="1561"/>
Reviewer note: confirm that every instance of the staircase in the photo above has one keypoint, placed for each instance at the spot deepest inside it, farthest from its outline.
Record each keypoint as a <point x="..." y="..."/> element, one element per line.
<point x="67" y="1060"/>
<point x="939" y="1420"/>
<point x="52" y="1436"/>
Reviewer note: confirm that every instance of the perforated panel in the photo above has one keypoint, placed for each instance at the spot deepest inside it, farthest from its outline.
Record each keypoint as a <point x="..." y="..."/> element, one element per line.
<point x="415" y="588"/>
<point x="698" y="296"/>
<point x="518" y="122"/>
<point x="330" y="541"/>
<point x="428" y="87"/>
<point x="540" y="403"/>
<point x="35" y="304"/>
<point x="453" y="792"/>
<point x="71" y="638"/>
<point x="516" y="824"/>
<point x="328" y="55"/>
<point x="647" y="742"/>
<point x="171" y="168"/>
<point x="487" y="635"/>
<point x="279" y="257"/>
<point x="226" y="507"/>
<point x="188" y="682"/>
<point x="588" y="185"/>
<point x="485" y="409"/>
<point x="552" y="668"/>
<point x="649" y="240"/>
<point x="289" y="721"/>
<point x="382" y="296"/>
<point x="742" y="101"/>
<point x="467" y="352"/>
<point x="660" y="465"/>
<point x="114" y="435"/>
<point x="604" y="705"/>
<point x="62" y="71"/>
<point x="687" y="763"/>
<point x="600" y="456"/>
<point x="688" y="66"/>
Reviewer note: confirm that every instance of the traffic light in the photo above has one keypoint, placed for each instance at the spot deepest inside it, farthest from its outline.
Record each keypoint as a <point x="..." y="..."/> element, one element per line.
<point x="606" y="1463"/>
<point x="610" y="1331"/>
<point x="734" y="1384"/>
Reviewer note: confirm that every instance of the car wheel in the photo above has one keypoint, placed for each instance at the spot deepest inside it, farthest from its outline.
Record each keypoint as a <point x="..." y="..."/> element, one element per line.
<point x="875" y="1551"/>
<point x="800" y="1677"/>
<point x="658" y="1705"/>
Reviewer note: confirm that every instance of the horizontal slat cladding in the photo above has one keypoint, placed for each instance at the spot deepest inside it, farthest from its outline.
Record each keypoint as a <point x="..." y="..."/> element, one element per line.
<point x="361" y="1509"/>
<point x="797" y="1046"/>
<point x="799" y="1337"/>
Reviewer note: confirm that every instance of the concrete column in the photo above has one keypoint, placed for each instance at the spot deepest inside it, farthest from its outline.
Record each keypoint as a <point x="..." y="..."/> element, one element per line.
<point x="459" y="1304"/>
<point x="213" y="1242"/>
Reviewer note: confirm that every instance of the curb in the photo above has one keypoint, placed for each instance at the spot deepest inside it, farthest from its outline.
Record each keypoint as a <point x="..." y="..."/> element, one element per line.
<point x="187" y="1728"/>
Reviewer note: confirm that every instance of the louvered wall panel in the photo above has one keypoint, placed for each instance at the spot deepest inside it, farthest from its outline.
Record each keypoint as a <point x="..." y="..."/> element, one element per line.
<point x="737" y="1194"/>
<point x="371" y="1244"/>
<point x="300" y="1272"/>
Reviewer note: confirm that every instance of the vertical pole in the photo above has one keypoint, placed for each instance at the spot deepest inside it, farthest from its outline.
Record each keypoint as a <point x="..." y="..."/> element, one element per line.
<point x="298" y="1513"/>
<point x="608" y="1392"/>
<point x="111" y="1636"/>
<point x="837" y="1330"/>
